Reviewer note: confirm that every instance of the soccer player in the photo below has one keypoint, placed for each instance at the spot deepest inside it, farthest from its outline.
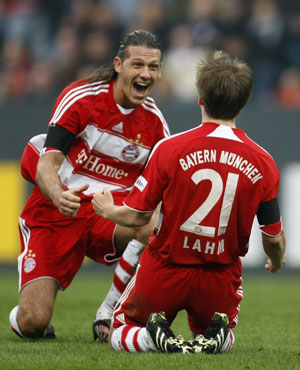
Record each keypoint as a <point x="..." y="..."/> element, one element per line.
<point x="101" y="132"/>
<point x="212" y="181"/>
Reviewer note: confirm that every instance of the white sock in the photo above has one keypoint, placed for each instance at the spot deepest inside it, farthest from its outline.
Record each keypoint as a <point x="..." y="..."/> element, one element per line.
<point x="13" y="321"/>
<point x="123" y="273"/>
<point x="105" y="310"/>
<point x="132" y="339"/>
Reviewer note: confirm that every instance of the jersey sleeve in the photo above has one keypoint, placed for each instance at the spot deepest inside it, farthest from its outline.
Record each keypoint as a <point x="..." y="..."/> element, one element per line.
<point x="268" y="213"/>
<point x="68" y="112"/>
<point x="149" y="186"/>
<point x="30" y="157"/>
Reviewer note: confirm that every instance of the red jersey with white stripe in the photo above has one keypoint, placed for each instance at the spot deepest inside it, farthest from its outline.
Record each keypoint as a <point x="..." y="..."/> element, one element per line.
<point x="211" y="180"/>
<point x="112" y="144"/>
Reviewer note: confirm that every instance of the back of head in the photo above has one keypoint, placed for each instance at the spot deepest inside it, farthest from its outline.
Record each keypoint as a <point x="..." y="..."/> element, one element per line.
<point x="136" y="38"/>
<point x="224" y="85"/>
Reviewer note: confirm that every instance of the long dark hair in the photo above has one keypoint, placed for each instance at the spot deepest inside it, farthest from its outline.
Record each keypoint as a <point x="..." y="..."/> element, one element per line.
<point x="106" y="72"/>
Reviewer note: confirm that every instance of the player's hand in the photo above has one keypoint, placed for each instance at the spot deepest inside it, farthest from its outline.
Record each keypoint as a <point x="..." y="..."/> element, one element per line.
<point x="103" y="202"/>
<point x="69" y="202"/>
<point x="270" y="266"/>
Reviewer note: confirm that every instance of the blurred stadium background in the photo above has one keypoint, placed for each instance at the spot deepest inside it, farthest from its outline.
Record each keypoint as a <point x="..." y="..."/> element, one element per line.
<point x="45" y="44"/>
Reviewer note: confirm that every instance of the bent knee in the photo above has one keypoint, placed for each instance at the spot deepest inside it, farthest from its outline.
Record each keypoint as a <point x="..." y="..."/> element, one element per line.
<point x="32" y="323"/>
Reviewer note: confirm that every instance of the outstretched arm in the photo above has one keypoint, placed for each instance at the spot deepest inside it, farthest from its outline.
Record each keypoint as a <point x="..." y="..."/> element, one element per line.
<point x="67" y="201"/>
<point x="275" y="249"/>
<point x="103" y="204"/>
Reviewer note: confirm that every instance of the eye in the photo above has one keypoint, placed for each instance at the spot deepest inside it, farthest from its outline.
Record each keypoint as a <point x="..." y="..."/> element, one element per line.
<point x="153" y="67"/>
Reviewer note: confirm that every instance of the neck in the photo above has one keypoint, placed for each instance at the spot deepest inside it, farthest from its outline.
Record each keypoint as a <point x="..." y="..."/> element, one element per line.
<point x="207" y="118"/>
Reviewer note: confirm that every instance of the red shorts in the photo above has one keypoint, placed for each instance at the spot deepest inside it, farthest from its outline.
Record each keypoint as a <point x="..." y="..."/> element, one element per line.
<point x="54" y="245"/>
<point x="201" y="291"/>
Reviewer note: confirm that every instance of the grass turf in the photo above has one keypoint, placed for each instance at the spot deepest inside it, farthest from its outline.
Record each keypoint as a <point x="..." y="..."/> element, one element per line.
<point x="267" y="336"/>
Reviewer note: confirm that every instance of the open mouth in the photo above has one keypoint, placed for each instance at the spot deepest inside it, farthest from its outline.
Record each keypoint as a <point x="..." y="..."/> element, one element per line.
<point x="140" y="87"/>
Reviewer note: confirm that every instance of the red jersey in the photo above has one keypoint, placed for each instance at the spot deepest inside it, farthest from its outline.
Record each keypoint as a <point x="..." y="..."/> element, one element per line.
<point x="211" y="181"/>
<point x="112" y="144"/>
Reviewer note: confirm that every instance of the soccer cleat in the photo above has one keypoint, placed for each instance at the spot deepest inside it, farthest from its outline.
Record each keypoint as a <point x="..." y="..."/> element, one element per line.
<point x="101" y="329"/>
<point x="215" y="335"/>
<point x="204" y="345"/>
<point x="49" y="332"/>
<point x="163" y="337"/>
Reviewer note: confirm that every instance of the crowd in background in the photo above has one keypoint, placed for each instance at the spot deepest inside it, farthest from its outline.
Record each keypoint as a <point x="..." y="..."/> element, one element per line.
<point x="46" y="44"/>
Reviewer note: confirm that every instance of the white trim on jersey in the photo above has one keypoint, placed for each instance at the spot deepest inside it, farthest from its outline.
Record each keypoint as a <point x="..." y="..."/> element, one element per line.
<point x="123" y="110"/>
<point x="25" y="232"/>
<point x="71" y="180"/>
<point x="137" y="210"/>
<point x="75" y="94"/>
<point x="272" y="235"/>
<point x="224" y="132"/>
<point x="168" y="138"/>
<point x="152" y="107"/>
<point x="37" y="143"/>
<point x="47" y="150"/>
<point x="258" y="145"/>
<point x="111" y="144"/>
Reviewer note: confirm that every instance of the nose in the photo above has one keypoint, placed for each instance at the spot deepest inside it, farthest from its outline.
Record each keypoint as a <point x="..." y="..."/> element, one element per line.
<point x="145" y="73"/>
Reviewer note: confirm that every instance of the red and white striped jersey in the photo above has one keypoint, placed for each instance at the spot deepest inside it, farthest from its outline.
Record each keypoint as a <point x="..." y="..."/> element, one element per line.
<point x="112" y="144"/>
<point x="211" y="181"/>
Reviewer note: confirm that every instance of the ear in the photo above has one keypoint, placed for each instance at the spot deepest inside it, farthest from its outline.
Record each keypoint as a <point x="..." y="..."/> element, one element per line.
<point x="200" y="101"/>
<point x="159" y="76"/>
<point x="118" y="64"/>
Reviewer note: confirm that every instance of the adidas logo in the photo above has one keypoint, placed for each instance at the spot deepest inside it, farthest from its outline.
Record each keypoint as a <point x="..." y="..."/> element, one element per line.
<point x="118" y="127"/>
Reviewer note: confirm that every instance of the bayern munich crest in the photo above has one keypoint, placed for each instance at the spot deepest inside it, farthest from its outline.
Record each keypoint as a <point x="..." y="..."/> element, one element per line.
<point x="29" y="265"/>
<point x="130" y="153"/>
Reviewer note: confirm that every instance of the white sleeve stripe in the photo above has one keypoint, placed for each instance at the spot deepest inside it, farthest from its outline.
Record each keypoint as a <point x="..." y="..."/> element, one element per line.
<point x="89" y="92"/>
<point x="156" y="111"/>
<point x="76" y="91"/>
<point x="154" y="106"/>
<point x="137" y="210"/>
<point x="37" y="151"/>
<point x="81" y="87"/>
<point x="150" y="99"/>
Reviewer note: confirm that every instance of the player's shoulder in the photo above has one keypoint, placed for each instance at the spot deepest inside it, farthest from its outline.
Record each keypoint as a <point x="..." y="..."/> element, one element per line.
<point x="172" y="144"/>
<point x="180" y="138"/>
<point x="261" y="155"/>
<point x="80" y="89"/>
<point x="257" y="148"/>
<point x="149" y="110"/>
<point x="78" y="96"/>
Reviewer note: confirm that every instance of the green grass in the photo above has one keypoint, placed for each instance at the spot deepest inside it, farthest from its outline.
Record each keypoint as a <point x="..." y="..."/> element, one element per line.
<point x="267" y="336"/>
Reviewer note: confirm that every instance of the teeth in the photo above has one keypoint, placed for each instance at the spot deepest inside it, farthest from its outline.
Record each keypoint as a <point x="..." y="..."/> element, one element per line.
<point x="142" y="84"/>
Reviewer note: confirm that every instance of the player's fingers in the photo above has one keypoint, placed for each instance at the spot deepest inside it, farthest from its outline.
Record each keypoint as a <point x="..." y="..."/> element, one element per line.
<point x="107" y="194"/>
<point x="68" y="212"/>
<point x="80" y="189"/>
<point x="70" y="203"/>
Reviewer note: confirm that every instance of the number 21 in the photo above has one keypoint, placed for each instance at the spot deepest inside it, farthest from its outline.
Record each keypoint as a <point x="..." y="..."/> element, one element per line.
<point x="193" y="223"/>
